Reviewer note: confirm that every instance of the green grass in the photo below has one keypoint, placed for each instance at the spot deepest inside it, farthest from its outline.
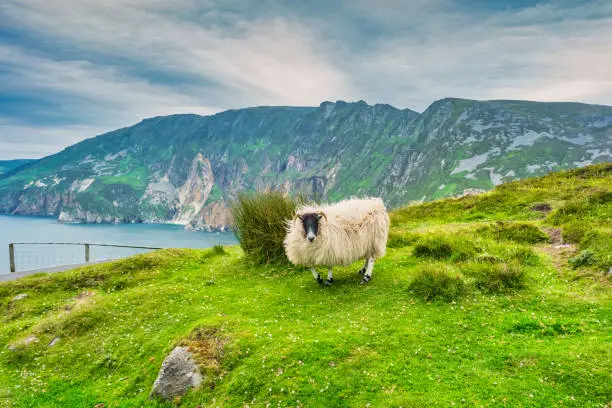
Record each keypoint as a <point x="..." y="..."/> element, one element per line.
<point x="260" y="221"/>
<point x="438" y="282"/>
<point x="511" y="323"/>
<point x="515" y="231"/>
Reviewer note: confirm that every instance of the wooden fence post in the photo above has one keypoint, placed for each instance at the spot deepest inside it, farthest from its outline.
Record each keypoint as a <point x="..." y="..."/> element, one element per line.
<point x="12" y="256"/>
<point x="86" y="253"/>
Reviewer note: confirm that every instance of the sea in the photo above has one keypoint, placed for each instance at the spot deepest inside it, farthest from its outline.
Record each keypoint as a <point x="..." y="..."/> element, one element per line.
<point x="30" y="230"/>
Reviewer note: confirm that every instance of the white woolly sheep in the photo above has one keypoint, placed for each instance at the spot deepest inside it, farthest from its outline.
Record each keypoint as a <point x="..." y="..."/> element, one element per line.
<point x="338" y="234"/>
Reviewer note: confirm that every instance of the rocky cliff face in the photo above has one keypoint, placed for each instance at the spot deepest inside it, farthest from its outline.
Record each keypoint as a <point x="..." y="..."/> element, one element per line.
<point x="186" y="168"/>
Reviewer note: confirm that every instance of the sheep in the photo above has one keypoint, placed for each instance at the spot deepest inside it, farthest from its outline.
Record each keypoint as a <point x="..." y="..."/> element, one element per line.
<point x="338" y="234"/>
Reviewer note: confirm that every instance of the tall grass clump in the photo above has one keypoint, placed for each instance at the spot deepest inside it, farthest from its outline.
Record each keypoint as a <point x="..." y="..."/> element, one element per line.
<point x="397" y="240"/>
<point x="496" y="278"/>
<point x="514" y="231"/>
<point x="260" y="224"/>
<point x="438" y="282"/>
<point x="575" y="231"/>
<point x="453" y="248"/>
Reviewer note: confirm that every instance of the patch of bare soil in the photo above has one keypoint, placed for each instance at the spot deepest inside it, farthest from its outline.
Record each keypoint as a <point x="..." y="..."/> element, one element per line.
<point x="555" y="235"/>
<point x="559" y="254"/>
<point x="542" y="207"/>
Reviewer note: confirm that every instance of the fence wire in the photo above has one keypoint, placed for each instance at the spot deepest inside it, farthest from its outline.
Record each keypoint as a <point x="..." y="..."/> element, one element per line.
<point x="29" y="256"/>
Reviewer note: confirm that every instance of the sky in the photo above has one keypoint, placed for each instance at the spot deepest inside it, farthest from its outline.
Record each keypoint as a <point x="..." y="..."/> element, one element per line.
<point x="70" y="70"/>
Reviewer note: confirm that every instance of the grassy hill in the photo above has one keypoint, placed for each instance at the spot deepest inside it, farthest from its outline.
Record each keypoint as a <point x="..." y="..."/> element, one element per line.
<point x="472" y="306"/>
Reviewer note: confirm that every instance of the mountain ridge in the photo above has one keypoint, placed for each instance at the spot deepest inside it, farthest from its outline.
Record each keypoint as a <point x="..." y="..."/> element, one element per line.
<point x="8" y="166"/>
<point x="186" y="168"/>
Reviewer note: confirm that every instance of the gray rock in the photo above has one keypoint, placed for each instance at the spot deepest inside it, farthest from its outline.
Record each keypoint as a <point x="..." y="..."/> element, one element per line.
<point x="20" y="296"/>
<point x="54" y="341"/>
<point x="23" y="343"/>
<point x="178" y="373"/>
<point x="29" y="340"/>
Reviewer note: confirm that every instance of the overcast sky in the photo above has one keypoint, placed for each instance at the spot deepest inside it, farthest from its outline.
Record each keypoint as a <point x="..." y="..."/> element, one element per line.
<point x="72" y="69"/>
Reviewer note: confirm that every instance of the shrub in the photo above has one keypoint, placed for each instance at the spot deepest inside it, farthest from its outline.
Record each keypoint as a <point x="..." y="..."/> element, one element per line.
<point x="260" y="224"/>
<point x="445" y="247"/>
<point x="584" y="258"/>
<point x="515" y="231"/>
<point x="496" y="278"/>
<point x="436" y="282"/>
<point x="218" y="250"/>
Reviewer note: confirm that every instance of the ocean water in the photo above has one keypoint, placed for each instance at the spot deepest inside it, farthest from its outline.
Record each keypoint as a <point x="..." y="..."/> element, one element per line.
<point x="39" y="229"/>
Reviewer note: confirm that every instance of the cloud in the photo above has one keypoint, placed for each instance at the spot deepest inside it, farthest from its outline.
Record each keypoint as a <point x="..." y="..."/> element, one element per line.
<point x="104" y="89"/>
<point x="273" y="60"/>
<point x="542" y="53"/>
<point x="84" y="66"/>
<point x="32" y="142"/>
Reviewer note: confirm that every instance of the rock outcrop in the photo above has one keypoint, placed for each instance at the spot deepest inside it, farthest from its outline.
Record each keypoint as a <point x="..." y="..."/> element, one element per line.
<point x="179" y="373"/>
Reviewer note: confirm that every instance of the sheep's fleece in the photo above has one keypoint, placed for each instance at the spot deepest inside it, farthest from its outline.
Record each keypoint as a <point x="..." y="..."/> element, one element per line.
<point x="351" y="230"/>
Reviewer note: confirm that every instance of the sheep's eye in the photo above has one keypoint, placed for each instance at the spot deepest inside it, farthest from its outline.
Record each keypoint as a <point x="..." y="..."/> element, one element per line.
<point x="319" y="216"/>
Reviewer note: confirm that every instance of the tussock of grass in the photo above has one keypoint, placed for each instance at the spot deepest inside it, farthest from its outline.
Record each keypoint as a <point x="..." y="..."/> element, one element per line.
<point x="514" y="231"/>
<point x="524" y="255"/>
<point x="496" y="278"/>
<point x="397" y="240"/>
<point x="438" y="282"/>
<point x="260" y="221"/>
<point x="453" y="248"/>
<point x="574" y="232"/>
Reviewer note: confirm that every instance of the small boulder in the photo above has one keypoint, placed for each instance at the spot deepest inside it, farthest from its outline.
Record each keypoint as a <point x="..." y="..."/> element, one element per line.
<point x="179" y="372"/>
<point x="20" y="296"/>
<point x="21" y="344"/>
<point x="54" y="341"/>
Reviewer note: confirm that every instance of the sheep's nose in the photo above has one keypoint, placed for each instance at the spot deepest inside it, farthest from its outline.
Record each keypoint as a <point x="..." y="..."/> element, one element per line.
<point x="311" y="239"/>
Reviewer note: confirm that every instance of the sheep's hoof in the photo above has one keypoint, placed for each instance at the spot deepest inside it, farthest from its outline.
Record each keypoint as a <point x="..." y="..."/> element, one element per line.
<point x="328" y="282"/>
<point x="365" y="280"/>
<point x="361" y="271"/>
<point x="319" y="281"/>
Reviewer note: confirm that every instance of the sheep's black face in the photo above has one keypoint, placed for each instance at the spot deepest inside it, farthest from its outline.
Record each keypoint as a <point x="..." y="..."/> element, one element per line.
<point x="311" y="225"/>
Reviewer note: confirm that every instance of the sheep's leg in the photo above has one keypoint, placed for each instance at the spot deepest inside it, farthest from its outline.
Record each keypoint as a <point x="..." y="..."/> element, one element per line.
<point x="316" y="275"/>
<point x="365" y="266"/>
<point x="330" y="277"/>
<point x="368" y="273"/>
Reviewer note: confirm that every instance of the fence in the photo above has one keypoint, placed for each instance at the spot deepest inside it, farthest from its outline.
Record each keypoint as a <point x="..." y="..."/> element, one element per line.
<point x="60" y="260"/>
